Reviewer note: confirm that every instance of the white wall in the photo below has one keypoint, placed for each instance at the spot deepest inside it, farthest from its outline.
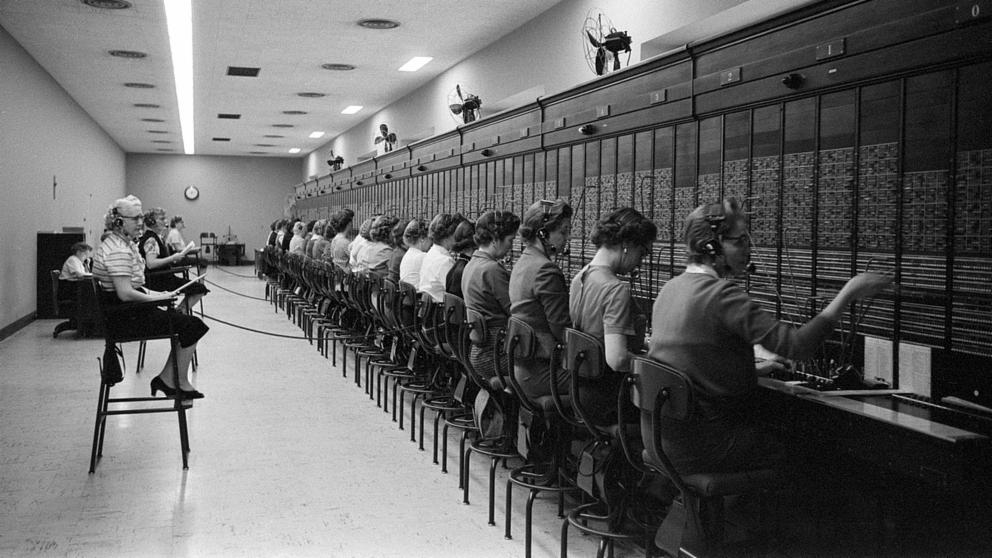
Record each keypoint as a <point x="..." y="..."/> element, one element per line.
<point x="543" y="57"/>
<point x="243" y="193"/>
<point x="44" y="133"/>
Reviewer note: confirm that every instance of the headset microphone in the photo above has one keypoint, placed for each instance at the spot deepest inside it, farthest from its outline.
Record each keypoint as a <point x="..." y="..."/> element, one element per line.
<point x="750" y="268"/>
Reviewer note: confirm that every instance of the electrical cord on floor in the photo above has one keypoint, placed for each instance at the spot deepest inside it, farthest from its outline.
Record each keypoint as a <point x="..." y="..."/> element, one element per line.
<point x="209" y="282"/>
<point x="217" y="266"/>
<point x="269" y="333"/>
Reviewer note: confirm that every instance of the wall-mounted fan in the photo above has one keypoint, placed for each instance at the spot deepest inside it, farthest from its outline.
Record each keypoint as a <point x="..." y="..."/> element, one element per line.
<point x="385" y="141"/>
<point x="334" y="162"/>
<point x="464" y="104"/>
<point x="603" y="43"/>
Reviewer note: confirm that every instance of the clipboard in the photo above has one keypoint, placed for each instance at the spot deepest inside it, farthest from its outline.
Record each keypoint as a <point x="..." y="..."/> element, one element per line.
<point x="175" y="292"/>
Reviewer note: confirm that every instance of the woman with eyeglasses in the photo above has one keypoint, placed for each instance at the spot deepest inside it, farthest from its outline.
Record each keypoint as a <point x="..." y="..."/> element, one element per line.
<point x="119" y="270"/>
<point x="706" y="326"/>
<point x="600" y="304"/>
<point x="539" y="294"/>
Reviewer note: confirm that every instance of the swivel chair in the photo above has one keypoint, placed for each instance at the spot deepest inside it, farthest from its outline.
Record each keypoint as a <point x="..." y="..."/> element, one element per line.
<point x="695" y="520"/>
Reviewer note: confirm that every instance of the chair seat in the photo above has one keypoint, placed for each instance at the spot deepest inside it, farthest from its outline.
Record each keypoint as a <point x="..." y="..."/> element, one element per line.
<point x="724" y="484"/>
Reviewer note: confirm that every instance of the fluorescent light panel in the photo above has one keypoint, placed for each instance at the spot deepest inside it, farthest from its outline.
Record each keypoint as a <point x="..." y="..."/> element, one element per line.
<point x="315" y="135"/>
<point x="352" y="109"/>
<point x="179" y="15"/>
<point x="415" y="63"/>
<point x="294" y="150"/>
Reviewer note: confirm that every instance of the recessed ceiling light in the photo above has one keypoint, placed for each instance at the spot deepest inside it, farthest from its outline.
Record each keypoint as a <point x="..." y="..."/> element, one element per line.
<point x="147" y="105"/>
<point x="273" y="136"/>
<point x="311" y="94"/>
<point x="242" y="71"/>
<point x="157" y="132"/>
<point x="282" y="125"/>
<point x="164" y="149"/>
<point x="351" y="109"/>
<point x="316" y="135"/>
<point x="415" y="63"/>
<point x="378" y="23"/>
<point x="221" y="139"/>
<point x="152" y="120"/>
<point x="229" y="116"/>
<point x="127" y="53"/>
<point x="161" y="141"/>
<point x="337" y="67"/>
<point x="258" y="152"/>
<point x="294" y="112"/>
<point x="138" y="85"/>
<point x="265" y="145"/>
<point x="108" y="4"/>
<point x="294" y="150"/>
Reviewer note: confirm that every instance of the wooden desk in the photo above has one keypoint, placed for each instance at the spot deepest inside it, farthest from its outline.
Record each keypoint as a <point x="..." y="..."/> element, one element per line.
<point x="226" y="253"/>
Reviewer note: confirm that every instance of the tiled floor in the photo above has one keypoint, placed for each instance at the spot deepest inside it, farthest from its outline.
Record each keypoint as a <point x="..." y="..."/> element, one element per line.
<point x="288" y="458"/>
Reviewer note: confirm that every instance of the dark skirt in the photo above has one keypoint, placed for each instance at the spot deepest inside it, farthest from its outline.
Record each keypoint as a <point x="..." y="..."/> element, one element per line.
<point x="165" y="282"/>
<point x="148" y="321"/>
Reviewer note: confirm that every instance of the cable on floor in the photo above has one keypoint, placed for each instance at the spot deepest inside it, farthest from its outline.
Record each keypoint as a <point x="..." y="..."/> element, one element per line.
<point x="211" y="283"/>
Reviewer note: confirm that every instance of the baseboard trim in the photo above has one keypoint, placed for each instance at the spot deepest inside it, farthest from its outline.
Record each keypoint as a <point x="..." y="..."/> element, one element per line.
<point x="16" y="325"/>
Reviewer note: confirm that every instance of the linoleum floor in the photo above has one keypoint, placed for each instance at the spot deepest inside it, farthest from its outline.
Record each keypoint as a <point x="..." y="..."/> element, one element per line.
<point x="288" y="457"/>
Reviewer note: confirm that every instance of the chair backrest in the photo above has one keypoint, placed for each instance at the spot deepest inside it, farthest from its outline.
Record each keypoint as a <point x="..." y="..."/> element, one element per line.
<point x="659" y="391"/>
<point x="520" y="344"/>
<point x="454" y="327"/>
<point x="55" y="292"/>
<point x="584" y="355"/>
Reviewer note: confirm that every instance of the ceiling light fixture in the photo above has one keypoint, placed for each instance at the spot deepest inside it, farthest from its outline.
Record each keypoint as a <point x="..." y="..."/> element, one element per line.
<point x="127" y="53"/>
<point x="378" y="23"/>
<point x="258" y="152"/>
<point x="317" y="135"/>
<point x="179" y="16"/>
<point x="415" y="63"/>
<point x="295" y="150"/>
<point x="273" y="136"/>
<point x="311" y="94"/>
<point x="152" y="120"/>
<point x="282" y="125"/>
<point x="108" y="4"/>
<point x="137" y="85"/>
<point x="147" y="105"/>
<point x="352" y="109"/>
<point x="265" y="145"/>
<point x="294" y="112"/>
<point x="337" y="67"/>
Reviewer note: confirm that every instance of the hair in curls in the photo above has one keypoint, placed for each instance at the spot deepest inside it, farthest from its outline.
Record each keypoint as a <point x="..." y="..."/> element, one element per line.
<point x="709" y="222"/>
<point x="624" y="226"/>
<point x="382" y="228"/>
<point x="543" y="215"/>
<point x="464" y="236"/>
<point x="493" y="226"/>
<point x="176" y="219"/>
<point x="397" y="233"/>
<point x="152" y="215"/>
<point x="340" y="220"/>
<point x="443" y="225"/>
<point x="414" y="231"/>
<point x="366" y="228"/>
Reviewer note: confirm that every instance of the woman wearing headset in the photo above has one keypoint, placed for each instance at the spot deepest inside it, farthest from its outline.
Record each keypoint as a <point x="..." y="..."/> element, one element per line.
<point x="486" y="286"/>
<point x="120" y="271"/>
<point x="538" y="293"/>
<point x="153" y="249"/>
<point x="601" y="305"/>
<point x="706" y="326"/>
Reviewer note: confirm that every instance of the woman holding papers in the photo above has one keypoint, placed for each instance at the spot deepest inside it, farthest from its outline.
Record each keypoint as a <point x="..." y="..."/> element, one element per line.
<point x="158" y="260"/>
<point x="120" y="272"/>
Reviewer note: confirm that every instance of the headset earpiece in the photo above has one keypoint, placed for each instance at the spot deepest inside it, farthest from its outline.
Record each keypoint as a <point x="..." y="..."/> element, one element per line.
<point x="717" y="221"/>
<point x="117" y="222"/>
<point x="542" y="234"/>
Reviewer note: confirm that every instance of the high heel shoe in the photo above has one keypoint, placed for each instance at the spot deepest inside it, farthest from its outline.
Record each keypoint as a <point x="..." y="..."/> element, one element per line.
<point x="190" y="394"/>
<point x="159" y="385"/>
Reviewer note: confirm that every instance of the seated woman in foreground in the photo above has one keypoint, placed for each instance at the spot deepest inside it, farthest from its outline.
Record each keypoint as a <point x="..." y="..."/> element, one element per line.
<point x="120" y="271"/>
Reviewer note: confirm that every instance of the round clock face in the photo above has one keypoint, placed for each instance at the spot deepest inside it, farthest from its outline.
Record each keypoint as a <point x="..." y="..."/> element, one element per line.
<point x="192" y="193"/>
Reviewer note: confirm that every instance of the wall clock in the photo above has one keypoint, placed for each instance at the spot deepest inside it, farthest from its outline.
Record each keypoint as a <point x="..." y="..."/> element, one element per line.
<point x="192" y="193"/>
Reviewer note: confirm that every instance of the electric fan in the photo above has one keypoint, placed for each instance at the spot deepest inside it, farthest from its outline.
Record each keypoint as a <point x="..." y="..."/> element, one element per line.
<point x="386" y="138"/>
<point x="603" y="43"/>
<point x="334" y="162"/>
<point x="464" y="104"/>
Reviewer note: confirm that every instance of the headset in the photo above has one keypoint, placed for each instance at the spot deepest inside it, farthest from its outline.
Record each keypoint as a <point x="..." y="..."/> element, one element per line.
<point x="546" y="205"/>
<point x="118" y="221"/>
<point x="718" y="226"/>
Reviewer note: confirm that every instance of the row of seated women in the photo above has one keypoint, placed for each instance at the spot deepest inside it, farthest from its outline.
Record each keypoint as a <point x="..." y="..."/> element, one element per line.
<point x="702" y="322"/>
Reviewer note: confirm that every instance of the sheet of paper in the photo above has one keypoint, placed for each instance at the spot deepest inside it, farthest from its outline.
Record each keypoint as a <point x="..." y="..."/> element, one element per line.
<point x="914" y="368"/>
<point x="878" y="359"/>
